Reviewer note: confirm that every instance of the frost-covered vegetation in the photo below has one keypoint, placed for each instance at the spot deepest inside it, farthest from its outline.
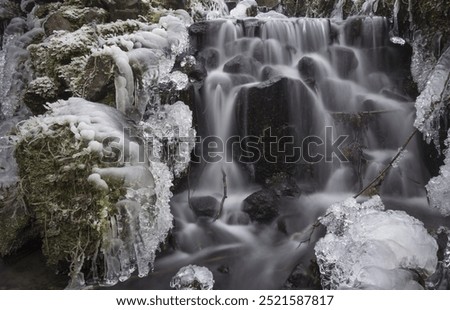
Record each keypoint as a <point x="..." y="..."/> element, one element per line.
<point x="96" y="206"/>
<point x="90" y="183"/>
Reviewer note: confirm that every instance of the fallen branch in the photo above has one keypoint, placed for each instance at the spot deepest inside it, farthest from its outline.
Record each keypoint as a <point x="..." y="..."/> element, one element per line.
<point x="378" y="179"/>
<point x="313" y="228"/>
<point x="224" y="180"/>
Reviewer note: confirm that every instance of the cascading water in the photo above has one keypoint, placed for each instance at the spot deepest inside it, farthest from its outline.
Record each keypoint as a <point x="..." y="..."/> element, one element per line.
<point x="301" y="78"/>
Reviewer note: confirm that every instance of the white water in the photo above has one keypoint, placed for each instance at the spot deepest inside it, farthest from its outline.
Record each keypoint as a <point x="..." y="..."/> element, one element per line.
<point x="352" y="74"/>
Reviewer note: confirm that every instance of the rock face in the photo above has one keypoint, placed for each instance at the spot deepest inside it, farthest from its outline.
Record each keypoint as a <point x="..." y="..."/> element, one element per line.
<point x="266" y="111"/>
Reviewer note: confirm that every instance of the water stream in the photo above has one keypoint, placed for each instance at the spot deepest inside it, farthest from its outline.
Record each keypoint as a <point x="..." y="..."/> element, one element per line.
<point x="320" y="73"/>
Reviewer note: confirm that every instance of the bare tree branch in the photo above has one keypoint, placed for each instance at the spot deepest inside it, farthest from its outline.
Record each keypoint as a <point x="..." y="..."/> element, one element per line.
<point x="379" y="178"/>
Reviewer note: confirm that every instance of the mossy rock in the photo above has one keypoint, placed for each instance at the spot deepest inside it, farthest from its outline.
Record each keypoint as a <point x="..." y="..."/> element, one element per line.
<point x="16" y="224"/>
<point x="67" y="208"/>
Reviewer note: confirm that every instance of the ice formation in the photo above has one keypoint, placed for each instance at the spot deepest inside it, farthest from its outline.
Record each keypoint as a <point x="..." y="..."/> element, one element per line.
<point x="368" y="248"/>
<point x="133" y="229"/>
<point x="169" y="131"/>
<point x="193" y="278"/>
<point x="441" y="278"/>
<point x="141" y="52"/>
<point x="438" y="187"/>
<point x="208" y="9"/>
<point x="431" y="102"/>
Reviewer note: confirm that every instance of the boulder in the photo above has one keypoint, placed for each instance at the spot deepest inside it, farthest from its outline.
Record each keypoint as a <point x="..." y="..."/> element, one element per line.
<point x="309" y="70"/>
<point x="303" y="277"/>
<point x="210" y="57"/>
<point x="205" y="206"/>
<point x="343" y="60"/>
<point x="273" y="109"/>
<point x="261" y="206"/>
<point x="242" y="64"/>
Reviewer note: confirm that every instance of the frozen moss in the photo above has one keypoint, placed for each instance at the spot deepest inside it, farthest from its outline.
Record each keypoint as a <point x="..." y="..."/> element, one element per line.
<point x="91" y="193"/>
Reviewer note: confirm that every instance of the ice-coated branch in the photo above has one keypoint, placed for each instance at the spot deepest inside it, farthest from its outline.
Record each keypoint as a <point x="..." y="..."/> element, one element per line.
<point x="379" y="178"/>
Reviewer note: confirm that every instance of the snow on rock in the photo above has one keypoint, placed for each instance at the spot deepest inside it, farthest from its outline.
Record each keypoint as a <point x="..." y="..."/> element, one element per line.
<point x="193" y="278"/>
<point x="438" y="189"/>
<point x="141" y="53"/>
<point x="241" y="9"/>
<point x="368" y="248"/>
<point x="132" y="229"/>
<point x="208" y="9"/>
<point x="432" y="102"/>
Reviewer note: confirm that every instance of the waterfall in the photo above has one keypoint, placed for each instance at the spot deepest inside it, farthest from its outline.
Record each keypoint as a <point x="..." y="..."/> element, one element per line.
<point x="306" y="80"/>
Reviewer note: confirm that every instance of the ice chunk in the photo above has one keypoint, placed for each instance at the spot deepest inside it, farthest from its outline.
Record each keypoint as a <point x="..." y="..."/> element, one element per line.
<point x="193" y="278"/>
<point x="438" y="187"/>
<point x="367" y="247"/>
<point x="169" y="131"/>
<point x="398" y="40"/>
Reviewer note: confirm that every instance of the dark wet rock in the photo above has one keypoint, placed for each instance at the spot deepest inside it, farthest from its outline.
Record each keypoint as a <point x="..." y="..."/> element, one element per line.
<point x="242" y="64"/>
<point x="344" y="59"/>
<point x="210" y="57"/>
<point x="262" y="206"/>
<point x="201" y="33"/>
<point x="268" y="73"/>
<point x="267" y="111"/>
<point x="206" y="206"/>
<point x="309" y="70"/>
<point x="57" y="22"/>
<point x="99" y="77"/>
<point x="283" y="185"/>
<point x="304" y="278"/>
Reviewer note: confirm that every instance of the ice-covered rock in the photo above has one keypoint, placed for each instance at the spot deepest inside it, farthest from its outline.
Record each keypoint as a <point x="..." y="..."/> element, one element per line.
<point x="106" y="205"/>
<point x="366" y="247"/>
<point x="434" y="99"/>
<point x="193" y="278"/>
<point x="140" y="52"/>
<point x="208" y="9"/>
<point x="438" y="188"/>
<point x="244" y="9"/>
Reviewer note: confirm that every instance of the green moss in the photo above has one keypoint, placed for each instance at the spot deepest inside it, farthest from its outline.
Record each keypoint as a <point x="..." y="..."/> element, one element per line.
<point x="70" y="213"/>
<point x="15" y="221"/>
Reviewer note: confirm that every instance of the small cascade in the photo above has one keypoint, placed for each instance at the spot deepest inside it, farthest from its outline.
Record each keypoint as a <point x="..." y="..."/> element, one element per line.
<point x="302" y="84"/>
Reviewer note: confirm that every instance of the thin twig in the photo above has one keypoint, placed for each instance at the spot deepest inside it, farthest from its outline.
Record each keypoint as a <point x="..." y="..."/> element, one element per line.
<point x="381" y="175"/>
<point x="314" y="226"/>
<point x="224" y="180"/>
